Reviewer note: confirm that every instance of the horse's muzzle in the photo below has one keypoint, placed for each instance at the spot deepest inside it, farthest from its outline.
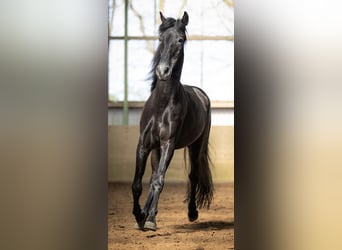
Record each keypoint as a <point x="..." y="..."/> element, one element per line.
<point x="163" y="72"/>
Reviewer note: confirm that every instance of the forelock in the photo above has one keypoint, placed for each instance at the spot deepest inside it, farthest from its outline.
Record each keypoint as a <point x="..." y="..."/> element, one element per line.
<point x="171" y="22"/>
<point x="168" y="23"/>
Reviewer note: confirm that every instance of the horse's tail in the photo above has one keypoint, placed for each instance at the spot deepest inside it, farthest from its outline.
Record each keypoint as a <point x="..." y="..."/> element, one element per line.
<point x="201" y="168"/>
<point x="205" y="187"/>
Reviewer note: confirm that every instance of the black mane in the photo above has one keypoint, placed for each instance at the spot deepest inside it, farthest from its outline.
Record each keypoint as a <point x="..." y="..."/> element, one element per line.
<point x="167" y="24"/>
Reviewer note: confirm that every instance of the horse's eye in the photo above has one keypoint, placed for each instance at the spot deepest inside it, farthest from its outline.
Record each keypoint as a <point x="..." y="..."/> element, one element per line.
<point x="160" y="39"/>
<point x="180" y="40"/>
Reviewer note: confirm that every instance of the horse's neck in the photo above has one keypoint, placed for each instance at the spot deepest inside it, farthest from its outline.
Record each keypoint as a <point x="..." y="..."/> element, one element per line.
<point x="167" y="90"/>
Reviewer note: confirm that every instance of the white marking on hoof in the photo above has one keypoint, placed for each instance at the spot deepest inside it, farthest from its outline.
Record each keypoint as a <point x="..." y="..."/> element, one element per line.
<point x="150" y="226"/>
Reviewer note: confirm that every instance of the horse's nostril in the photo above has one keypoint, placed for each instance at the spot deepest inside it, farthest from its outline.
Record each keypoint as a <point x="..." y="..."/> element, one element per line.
<point x="163" y="71"/>
<point x="166" y="70"/>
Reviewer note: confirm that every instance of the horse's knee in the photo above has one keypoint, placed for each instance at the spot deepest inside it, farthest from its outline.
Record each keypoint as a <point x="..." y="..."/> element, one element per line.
<point x="158" y="183"/>
<point x="137" y="188"/>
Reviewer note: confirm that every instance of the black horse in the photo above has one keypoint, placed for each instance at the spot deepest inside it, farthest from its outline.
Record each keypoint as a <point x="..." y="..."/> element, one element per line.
<point x="174" y="116"/>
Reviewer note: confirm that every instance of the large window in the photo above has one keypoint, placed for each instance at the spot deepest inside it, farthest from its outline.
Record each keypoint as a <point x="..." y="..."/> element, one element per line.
<point x="209" y="52"/>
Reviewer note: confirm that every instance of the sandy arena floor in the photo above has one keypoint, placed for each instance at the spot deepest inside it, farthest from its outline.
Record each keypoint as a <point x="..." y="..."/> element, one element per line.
<point x="214" y="228"/>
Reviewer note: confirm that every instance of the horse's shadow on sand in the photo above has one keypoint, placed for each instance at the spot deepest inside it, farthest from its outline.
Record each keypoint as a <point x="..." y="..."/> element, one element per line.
<point x="205" y="226"/>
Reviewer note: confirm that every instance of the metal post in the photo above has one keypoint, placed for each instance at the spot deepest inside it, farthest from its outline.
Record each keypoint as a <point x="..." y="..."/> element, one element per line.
<point x="125" y="106"/>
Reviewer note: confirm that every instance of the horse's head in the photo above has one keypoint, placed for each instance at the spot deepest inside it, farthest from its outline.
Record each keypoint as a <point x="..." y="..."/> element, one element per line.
<point x="172" y="38"/>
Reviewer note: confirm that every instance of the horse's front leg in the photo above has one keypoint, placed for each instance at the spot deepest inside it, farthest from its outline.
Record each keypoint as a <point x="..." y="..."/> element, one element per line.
<point x="157" y="182"/>
<point x="155" y="157"/>
<point x="141" y="158"/>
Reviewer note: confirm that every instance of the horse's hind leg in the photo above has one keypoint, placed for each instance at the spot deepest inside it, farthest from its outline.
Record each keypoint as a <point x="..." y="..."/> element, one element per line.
<point x="141" y="158"/>
<point x="193" y="182"/>
<point x="200" y="193"/>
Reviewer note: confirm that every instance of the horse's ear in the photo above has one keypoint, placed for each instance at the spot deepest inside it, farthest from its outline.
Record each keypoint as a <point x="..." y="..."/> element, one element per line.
<point x="185" y="18"/>
<point x="162" y="18"/>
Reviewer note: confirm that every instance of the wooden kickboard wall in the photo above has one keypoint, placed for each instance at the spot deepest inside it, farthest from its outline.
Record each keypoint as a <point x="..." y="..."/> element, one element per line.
<point x="122" y="141"/>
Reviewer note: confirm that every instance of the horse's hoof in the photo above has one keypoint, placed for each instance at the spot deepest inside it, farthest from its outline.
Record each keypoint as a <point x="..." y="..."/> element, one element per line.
<point x="193" y="216"/>
<point x="149" y="225"/>
<point x="139" y="226"/>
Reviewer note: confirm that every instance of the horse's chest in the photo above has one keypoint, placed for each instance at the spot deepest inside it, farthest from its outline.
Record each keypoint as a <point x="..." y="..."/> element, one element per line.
<point x="168" y="124"/>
